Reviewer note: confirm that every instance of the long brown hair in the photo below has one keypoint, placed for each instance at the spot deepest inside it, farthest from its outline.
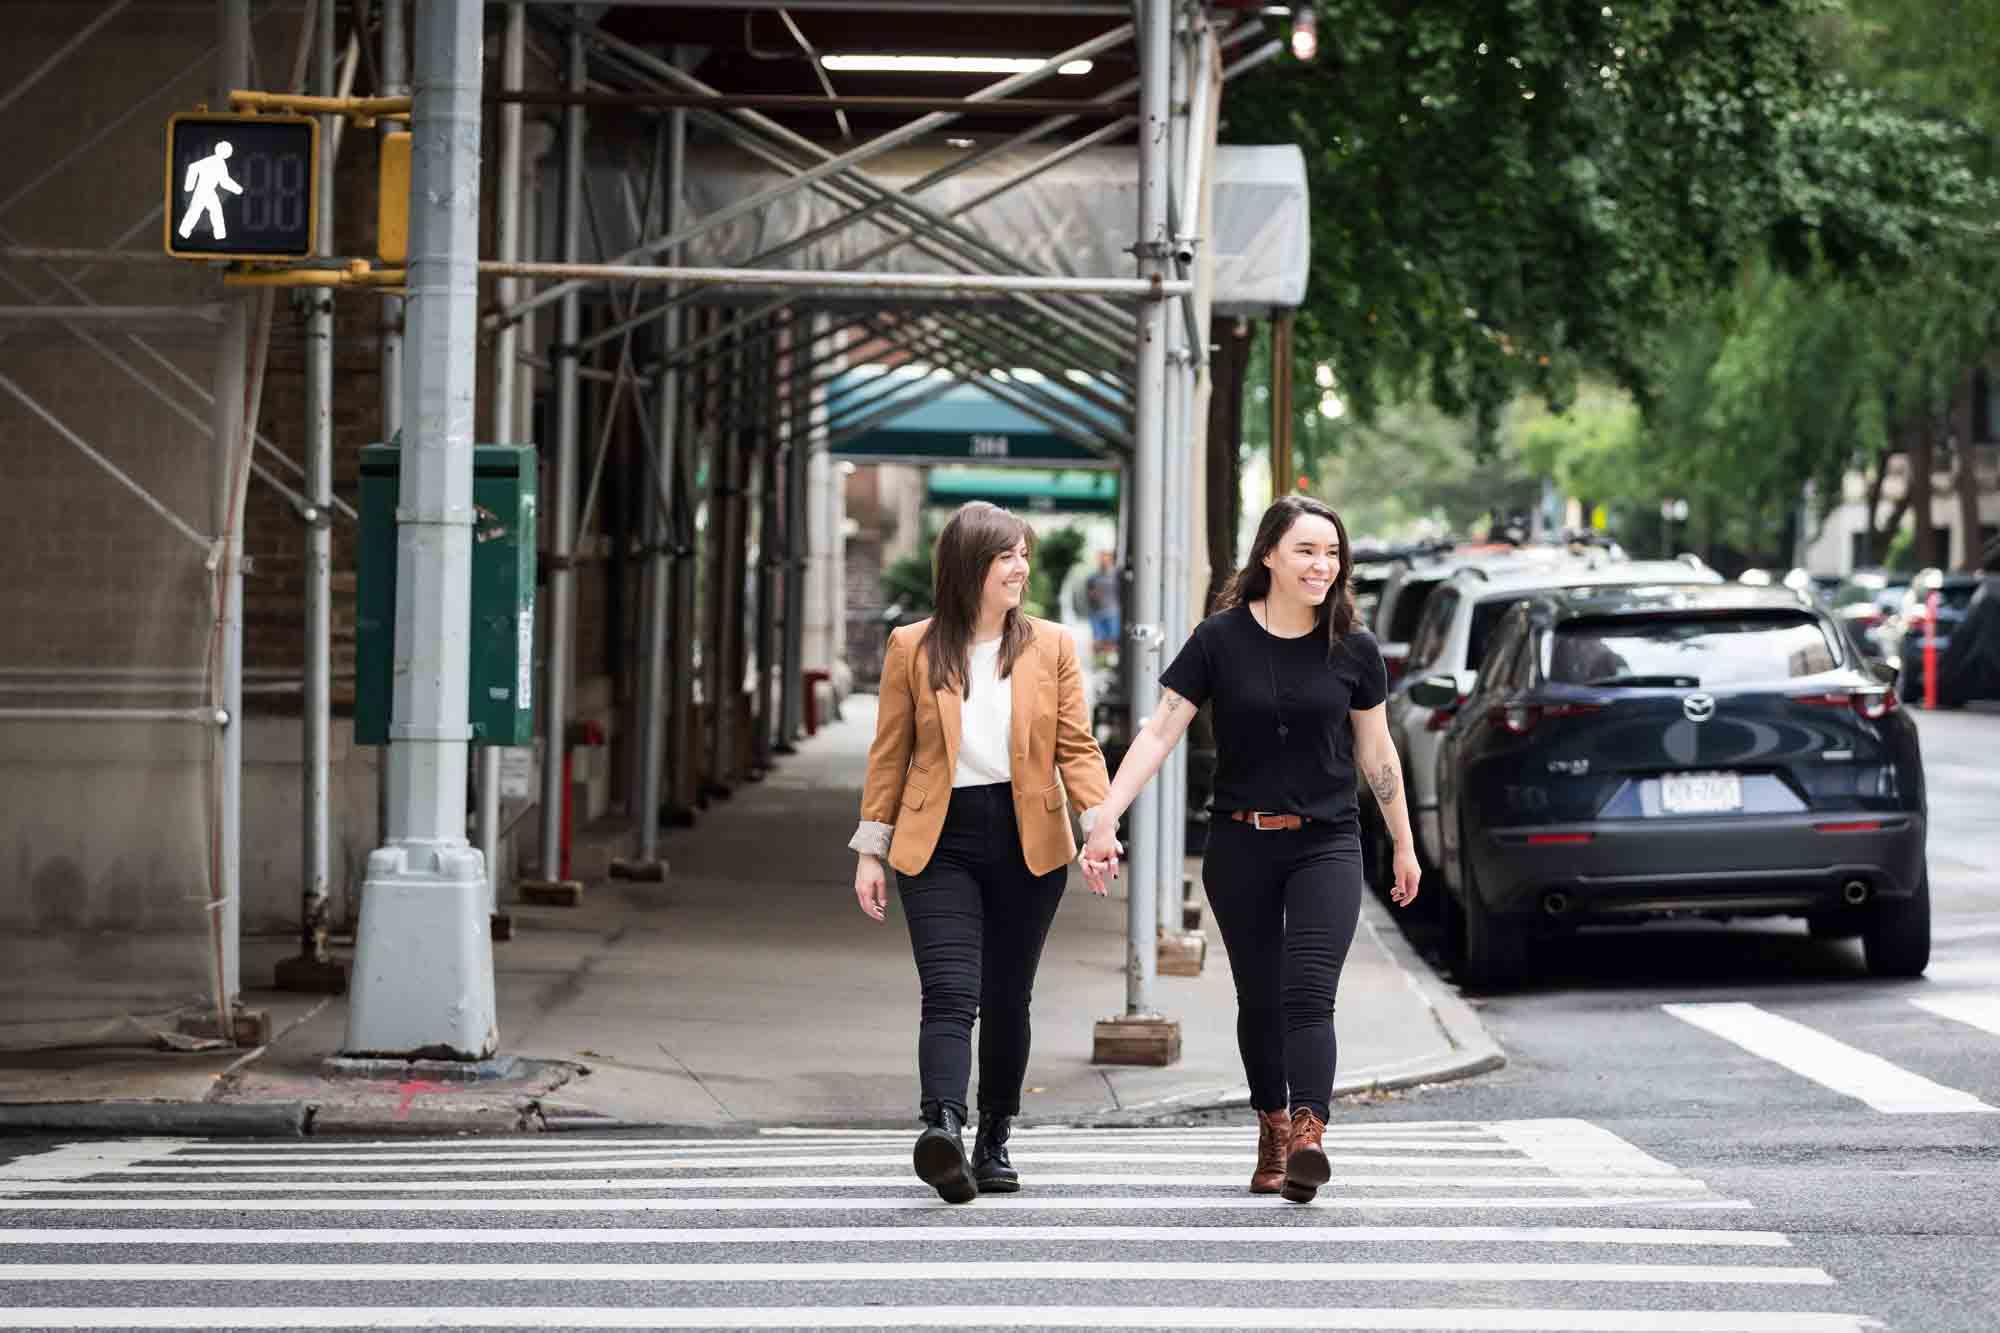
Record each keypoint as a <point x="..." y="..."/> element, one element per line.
<point x="975" y="536"/>
<point x="1252" y="583"/>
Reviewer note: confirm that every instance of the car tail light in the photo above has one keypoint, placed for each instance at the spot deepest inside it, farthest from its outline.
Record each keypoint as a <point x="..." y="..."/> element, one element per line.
<point x="1395" y="662"/>
<point x="1851" y="826"/>
<point x="1520" y="719"/>
<point x="1559" y="839"/>
<point x="1870" y="705"/>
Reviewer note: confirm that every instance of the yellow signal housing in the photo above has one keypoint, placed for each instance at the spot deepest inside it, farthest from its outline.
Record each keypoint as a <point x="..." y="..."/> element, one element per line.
<point x="392" y="216"/>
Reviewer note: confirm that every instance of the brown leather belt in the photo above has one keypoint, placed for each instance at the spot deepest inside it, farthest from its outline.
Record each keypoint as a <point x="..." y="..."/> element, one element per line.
<point x="1265" y="822"/>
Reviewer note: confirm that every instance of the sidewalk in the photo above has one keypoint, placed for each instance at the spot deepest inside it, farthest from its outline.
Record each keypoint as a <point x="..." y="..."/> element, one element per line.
<point x="746" y="990"/>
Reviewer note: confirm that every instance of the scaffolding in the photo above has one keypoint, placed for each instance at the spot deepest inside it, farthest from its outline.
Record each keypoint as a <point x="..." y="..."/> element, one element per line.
<point x="687" y="410"/>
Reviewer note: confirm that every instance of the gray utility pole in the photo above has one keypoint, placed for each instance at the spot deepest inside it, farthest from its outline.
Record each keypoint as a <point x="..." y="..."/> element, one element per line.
<point x="798" y="407"/>
<point x="1142" y="1036"/>
<point x="562" y="505"/>
<point x="395" y="83"/>
<point x="423" y="973"/>
<point x="232" y="355"/>
<point x="313" y="969"/>
<point x="506" y="392"/>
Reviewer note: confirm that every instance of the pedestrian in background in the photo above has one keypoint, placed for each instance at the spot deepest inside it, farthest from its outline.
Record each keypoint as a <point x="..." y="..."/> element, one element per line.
<point x="981" y="746"/>
<point x="1105" y="611"/>
<point x="1298" y="692"/>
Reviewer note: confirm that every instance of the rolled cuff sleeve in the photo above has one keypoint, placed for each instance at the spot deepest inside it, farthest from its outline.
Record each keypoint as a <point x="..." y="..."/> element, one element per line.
<point x="1088" y="819"/>
<point x="872" y="838"/>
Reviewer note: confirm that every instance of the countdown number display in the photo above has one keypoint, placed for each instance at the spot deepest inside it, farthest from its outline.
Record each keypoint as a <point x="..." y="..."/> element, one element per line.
<point x="241" y="186"/>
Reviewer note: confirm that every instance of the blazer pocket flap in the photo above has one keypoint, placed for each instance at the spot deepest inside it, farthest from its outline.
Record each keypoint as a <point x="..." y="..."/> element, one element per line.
<point x="914" y="797"/>
<point x="1052" y="796"/>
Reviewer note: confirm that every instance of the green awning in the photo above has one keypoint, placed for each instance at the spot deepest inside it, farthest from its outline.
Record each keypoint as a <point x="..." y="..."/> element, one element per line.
<point x="965" y="424"/>
<point x="1030" y="492"/>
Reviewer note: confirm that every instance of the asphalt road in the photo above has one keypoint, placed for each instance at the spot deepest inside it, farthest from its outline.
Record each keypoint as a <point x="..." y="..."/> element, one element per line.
<point x="1699" y="1129"/>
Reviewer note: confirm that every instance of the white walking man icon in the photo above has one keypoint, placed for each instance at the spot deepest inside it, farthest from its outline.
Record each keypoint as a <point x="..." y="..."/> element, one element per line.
<point x="204" y="176"/>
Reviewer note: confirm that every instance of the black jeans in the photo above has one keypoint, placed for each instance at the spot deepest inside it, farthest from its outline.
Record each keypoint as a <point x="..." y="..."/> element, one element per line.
<point x="978" y="920"/>
<point x="1287" y="904"/>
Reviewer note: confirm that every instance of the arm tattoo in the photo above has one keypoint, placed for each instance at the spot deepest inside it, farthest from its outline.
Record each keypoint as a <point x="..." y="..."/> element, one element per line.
<point x="1170" y="703"/>
<point x="1384" y="783"/>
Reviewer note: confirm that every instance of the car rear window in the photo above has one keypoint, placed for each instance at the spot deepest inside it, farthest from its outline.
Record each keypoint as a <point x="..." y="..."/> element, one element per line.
<point x="1410" y="608"/>
<point x="1710" y="650"/>
<point x="1485" y="618"/>
<point x="1957" y="596"/>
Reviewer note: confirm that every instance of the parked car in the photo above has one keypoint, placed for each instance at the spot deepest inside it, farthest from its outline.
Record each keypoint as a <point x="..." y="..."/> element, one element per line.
<point x="1632" y="753"/>
<point x="1906" y="636"/>
<point x="1869" y="601"/>
<point x="1451" y="641"/>
<point x="1401" y="607"/>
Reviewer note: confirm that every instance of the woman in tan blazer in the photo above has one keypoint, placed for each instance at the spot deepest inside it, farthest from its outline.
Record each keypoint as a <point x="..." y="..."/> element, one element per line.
<point x="981" y="748"/>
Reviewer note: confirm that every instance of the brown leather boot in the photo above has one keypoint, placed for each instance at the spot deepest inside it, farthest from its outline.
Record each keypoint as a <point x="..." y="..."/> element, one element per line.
<point x="1274" y="1140"/>
<point x="1306" y="1167"/>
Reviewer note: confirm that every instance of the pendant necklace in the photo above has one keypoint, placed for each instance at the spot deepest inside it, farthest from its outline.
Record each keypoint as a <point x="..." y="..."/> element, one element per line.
<point x="1276" y="707"/>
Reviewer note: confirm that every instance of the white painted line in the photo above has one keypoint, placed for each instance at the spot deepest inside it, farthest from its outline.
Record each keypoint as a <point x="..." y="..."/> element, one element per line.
<point x="743" y="1182"/>
<point x="1979" y="1010"/>
<point x="825" y="1235"/>
<point x="1577" y="1147"/>
<point x="564" y="1142"/>
<point x="950" y="1316"/>
<point x="73" y="1161"/>
<point x="793" y="1152"/>
<point x="1029" y="1155"/>
<point x="1412" y="1126"/>
<point x="1291" y="1273"/>
<point x="1831" y="1064"/>
<point x="912" y="1202"/>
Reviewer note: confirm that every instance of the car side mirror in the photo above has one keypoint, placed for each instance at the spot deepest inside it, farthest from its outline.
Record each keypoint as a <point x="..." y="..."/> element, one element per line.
<point x="1435" y="692"/>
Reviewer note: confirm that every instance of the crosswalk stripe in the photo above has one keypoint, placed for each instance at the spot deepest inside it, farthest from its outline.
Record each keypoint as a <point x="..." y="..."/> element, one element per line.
<point x="1981" y="1011"/>
<point x="911" y="1202"/>
<point x="741" y="1182"/>
<point x="1032" y="1154"/>
<point x="1291" y="1273"/>
<point x="951" y="1316"/>
<point x="1832" y="1064"/>
<point x="566" y="1142"/>
<point x="1456" y="1149"/>
<point x="825" y="1235"/>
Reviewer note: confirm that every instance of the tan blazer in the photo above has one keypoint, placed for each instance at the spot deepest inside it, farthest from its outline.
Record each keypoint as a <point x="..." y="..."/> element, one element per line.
<point x="915" y="753"/>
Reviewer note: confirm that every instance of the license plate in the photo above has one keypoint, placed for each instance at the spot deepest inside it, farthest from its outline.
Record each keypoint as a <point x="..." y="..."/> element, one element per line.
<point x="1701" y="793"/>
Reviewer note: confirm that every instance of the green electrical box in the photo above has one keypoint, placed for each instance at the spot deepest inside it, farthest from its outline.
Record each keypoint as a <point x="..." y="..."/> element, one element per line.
<point x="502" y="707"/>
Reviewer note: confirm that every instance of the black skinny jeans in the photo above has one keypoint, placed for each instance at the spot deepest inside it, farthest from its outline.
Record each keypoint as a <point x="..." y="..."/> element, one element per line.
<point x="978" y="919"/>
<point x="1287" y="904"/>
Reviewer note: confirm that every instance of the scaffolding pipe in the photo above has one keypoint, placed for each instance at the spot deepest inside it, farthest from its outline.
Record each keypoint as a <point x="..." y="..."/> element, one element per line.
<point x="829" y="166"/>
<point x="22" y="83"/>
<point x="423" y="972"/>
<point x="395" y="82"/>
<point x="207" y="717"/>
<point x="506" y="373"/>
<point x="1092" y="436"/>
<point x="659" y="557"/>
<point x="1148" y="500"/>
<point x="1173" y="564"/>
<point x="798" y="404"/>
<point x="768" y="554"/>
<point x="316" y="721"/>
<point x="1012" y="106"/>
<point x="562" y="501"/>
<point x="681" y="713"/>
<point x="934" y="284"/>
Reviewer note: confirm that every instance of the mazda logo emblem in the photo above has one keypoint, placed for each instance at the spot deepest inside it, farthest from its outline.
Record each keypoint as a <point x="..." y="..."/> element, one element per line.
<point x="1698" y="707"/>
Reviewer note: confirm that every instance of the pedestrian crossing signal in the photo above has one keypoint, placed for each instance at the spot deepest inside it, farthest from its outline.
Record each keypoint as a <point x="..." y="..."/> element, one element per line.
<point x="241" y="187"/>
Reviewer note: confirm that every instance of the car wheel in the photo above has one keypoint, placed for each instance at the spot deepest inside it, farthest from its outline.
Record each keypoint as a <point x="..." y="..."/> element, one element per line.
<point x="1493" y="951"/>
<point x="1843" y="925"/>
<point x="1897" y="940"/>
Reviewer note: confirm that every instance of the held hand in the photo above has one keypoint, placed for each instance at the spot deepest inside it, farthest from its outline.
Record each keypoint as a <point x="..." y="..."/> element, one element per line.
<point x="871" y="887"/>
<point x="1408" y="875"/>
<point x="1100" y="856"/>
<point x="1093" y="875"/>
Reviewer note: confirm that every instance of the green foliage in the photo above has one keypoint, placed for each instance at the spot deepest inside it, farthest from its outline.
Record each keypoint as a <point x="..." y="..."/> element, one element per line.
<point x="910" y="580"/>
<point x="1413" y="471"/>
<point x="1056" y="554"/>
<point x="1509" y="195"/>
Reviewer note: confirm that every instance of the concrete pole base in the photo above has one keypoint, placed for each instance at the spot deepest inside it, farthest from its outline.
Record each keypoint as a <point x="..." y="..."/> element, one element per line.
<point x="651" y="872"/>
<point x="1191" y="906"/>
<point x="552" y="892"/>
<point x="1182" y="955"/>
<point x="306" y="975"/>
<point x="423" y="960"/>
<point x="248" y="1027"/>
<point x="1152" y="1040"/>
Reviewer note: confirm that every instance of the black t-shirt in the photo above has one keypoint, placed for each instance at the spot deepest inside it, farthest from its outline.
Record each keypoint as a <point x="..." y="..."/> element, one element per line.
<point x="1257" y="682"/>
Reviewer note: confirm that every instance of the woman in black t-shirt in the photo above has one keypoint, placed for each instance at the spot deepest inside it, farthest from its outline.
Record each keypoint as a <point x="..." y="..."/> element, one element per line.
<point x="1297" y="692"/>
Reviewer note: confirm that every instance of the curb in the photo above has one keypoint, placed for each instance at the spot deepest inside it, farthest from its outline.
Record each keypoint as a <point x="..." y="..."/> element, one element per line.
<point x="275" y="1120"/>
<point x="1471" y="1048"/>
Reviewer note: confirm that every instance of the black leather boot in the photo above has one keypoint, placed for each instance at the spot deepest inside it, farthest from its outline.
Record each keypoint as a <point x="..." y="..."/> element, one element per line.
<point x="939" y="1157"/>
<point x="990" y="1167"/>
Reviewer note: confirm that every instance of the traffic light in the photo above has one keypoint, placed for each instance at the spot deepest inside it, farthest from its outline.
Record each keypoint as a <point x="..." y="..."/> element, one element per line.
<point x="241" y="187"/>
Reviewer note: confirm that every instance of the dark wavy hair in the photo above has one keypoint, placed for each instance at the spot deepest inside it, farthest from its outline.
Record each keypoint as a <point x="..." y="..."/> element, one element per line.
<point x="1252" y="583"/>
<point x="973" y="538"/>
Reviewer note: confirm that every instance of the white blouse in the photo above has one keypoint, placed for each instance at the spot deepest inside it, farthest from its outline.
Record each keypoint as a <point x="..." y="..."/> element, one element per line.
<point x="985" y="720"/>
